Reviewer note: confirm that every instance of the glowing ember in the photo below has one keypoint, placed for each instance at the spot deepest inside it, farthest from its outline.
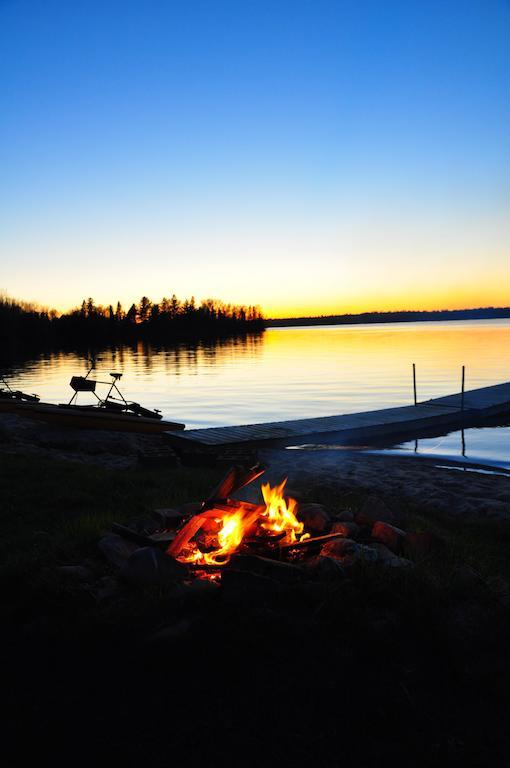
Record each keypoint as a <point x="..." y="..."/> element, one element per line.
<point x="210" y="538"/>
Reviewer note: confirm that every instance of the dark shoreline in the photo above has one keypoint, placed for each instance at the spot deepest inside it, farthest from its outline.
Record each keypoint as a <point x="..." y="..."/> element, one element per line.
<point x="379" y="318"/>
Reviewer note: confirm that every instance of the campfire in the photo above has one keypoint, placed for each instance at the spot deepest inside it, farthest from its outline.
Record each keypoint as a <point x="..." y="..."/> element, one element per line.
<point x="277" y="538"/>
<point x="225" y="526"/>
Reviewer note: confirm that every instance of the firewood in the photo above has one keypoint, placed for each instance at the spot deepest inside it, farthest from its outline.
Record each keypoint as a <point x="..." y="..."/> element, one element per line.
<point x="235" y="479"/>
<point x="316" y="541"/>
<point x="204" y="567"/>
<point x="185" y="534"/>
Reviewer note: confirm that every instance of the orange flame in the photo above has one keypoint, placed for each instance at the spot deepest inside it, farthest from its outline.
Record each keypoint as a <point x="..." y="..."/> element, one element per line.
<point x="229" y="537"/>
<point x="277" y="517"/>
<point x="279" y="513"/>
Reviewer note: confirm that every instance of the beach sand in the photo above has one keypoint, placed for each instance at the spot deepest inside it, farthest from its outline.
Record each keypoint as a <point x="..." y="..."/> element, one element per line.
<point x="456" y="491"/>
<point x="417" y="481"/>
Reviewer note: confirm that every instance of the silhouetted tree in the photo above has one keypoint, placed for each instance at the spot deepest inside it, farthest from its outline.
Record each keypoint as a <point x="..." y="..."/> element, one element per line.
<point x="144" y="309"/>
<point x="23" y="325"/>
<point x="131" y="314"/>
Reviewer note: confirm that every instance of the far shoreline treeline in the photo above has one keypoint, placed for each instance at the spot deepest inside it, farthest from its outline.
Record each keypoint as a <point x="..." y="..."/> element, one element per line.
<point x="26" y="327"/>
<point x="403" y="316"/>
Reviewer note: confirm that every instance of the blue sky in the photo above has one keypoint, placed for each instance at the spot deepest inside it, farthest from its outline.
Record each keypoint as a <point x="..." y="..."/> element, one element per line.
<point x="306" y="156"/>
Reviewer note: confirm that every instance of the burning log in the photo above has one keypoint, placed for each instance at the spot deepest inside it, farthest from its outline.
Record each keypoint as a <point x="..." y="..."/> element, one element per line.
<point x="311" y="543"/>
<point x="235" y="479"/>
<point x="241" y="526"/>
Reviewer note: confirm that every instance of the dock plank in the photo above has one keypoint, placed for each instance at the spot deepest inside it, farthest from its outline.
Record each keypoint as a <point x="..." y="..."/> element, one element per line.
<point x="400" y="419"/>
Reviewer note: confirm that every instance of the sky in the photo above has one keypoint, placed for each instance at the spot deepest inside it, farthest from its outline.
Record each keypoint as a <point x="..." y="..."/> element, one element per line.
<point x="311" y="157"/>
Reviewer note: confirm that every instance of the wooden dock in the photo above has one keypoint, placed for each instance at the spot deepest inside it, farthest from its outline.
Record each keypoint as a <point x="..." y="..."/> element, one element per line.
<point x="410" y="420"/>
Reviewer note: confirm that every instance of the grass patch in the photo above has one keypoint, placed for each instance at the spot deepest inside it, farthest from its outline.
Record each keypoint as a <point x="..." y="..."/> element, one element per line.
<point x="367" y="671"/>
<point x="57" y="509"/>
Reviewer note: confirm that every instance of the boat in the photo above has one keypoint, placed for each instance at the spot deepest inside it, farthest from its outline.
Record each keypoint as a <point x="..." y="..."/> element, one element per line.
<point x="11" y="398"/>
<point x="113" y="412"/>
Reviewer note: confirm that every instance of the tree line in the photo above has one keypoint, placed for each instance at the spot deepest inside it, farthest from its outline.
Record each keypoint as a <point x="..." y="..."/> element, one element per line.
<point x="403" y="316"/>
<point x="26" y="326"/>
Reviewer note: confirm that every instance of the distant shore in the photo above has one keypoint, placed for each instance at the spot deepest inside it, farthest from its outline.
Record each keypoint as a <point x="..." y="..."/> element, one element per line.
<point x="481" y="313"/>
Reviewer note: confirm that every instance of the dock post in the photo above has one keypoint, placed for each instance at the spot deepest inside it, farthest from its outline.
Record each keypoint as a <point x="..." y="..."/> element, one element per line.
<point x="414" y="384"/>
<point x="462" y="390"/>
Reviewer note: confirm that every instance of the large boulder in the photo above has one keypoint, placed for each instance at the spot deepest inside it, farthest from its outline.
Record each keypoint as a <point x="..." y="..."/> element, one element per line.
<point x="315" y="517"/>
<point x="387" y="557"/>
<point x="150" y="567"/>
<point x="345" y="516"/>
<point x="323" y="568"/>
<point x="116" y="549"/>
<point x="349" y="530"/>
<point x="389" y="534"/>
<point x="348" y="552"/>
<point x="167" y="517"/>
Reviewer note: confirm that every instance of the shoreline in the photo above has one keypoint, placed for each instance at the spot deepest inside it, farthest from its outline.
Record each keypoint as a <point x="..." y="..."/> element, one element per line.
<point x="419" y="481"/>
<point x="387" y="318"/>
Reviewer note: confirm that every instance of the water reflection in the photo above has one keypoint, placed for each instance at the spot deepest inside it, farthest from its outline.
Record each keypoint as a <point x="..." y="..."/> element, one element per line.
<point x="478" y="445"/>
<point x="288" y="373"/>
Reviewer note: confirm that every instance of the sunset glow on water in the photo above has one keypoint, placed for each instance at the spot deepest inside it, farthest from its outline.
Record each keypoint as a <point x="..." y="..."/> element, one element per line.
<point x="289" y="373"/>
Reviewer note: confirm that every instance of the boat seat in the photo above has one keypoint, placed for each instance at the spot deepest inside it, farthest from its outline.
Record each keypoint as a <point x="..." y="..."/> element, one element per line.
<point x="81" y="384"/>
<point x="112" y="406"/>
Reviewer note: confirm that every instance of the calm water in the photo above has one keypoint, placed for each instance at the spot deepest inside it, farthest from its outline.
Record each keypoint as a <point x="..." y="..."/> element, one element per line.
<point x="486" y="445"/>
<point x="291" y="372"/>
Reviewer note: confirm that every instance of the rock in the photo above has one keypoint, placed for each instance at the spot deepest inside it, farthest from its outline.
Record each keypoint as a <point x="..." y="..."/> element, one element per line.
<point x="324" y="568"/>
<point x="388" y="534"/>
<point x="150" y="567"/>
<point x="144" y="525"/>
<point x="419" y="545"/>
<point x="339" y="547"/>
<point x="345" y="516"/>
<point x="75" y="572"/>
<point x="116" y="549"/>
<point x="372" y="510"/>
<point x="264" y="566"/>
<point x="315" y="517"/>
<point x="389" y="558"/>
<point x="190" y="508"/>
<point x="349" y="530"/>
<point x="167" y="517"/>
<point x="348" y="551"/>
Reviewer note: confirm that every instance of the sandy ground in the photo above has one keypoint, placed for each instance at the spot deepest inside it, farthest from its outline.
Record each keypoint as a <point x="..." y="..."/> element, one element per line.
<point x="457" y="491"/>
<point x="112" y="450"/>
<point x="420" y="481"/>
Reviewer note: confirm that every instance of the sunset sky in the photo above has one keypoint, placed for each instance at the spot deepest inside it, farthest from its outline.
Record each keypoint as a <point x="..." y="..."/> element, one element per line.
<point x="311" y="157"/>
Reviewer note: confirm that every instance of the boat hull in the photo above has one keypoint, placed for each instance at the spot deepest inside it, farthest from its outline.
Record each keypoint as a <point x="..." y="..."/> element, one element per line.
<point x="8" y="406"/>
<point x="91" y="418"/>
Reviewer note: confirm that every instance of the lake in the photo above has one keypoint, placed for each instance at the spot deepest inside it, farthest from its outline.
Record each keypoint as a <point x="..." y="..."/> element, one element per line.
<point x="288" y="373"/>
